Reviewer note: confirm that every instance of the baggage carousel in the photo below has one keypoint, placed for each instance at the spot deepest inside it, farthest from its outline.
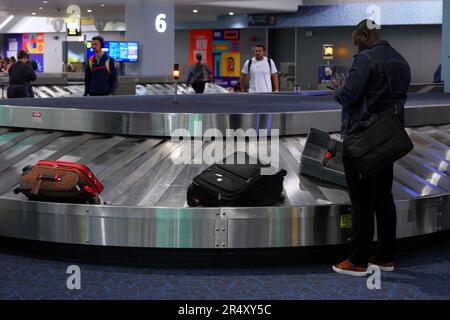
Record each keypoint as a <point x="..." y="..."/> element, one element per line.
<point x="128" y="143"/>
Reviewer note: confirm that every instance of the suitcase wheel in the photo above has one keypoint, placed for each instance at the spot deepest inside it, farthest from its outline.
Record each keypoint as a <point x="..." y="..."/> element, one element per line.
<point x="26" y="169"/>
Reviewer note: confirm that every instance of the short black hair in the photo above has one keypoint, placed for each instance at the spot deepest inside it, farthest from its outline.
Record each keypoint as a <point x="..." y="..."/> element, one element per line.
<point x="261" y="46"/>
<point x="198" y="56"/>
<point x="367" y="26"/>
<point x="22" y="54"/>
<point x="99" y="38"/>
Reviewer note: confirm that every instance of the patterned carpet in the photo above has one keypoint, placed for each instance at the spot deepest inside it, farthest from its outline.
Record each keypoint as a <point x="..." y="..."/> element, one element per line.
<point x="423" y="274"/>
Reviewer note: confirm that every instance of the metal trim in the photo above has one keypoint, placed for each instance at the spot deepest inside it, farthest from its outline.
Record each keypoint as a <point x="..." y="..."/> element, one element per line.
<point x="163" y="124"/>
<point x="265" y="227"/>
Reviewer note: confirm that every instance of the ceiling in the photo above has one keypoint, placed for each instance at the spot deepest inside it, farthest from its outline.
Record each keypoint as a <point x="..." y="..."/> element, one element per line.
<point x="114" y="9"/>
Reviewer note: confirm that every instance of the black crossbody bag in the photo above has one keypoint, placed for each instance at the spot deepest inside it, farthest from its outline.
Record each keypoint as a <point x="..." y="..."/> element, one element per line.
<point x="382" y="142"/>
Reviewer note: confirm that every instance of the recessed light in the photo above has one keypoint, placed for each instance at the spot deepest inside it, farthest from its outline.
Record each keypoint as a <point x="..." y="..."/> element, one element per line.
<point x="34" y="13"/>
<point x="231" y="13"/>
<point x="89" y="10"/>
<point x="102" y="5"/>
<point x="195" y="11"/>
<point x="44" y="1"/>
<point x="40" y="8"/>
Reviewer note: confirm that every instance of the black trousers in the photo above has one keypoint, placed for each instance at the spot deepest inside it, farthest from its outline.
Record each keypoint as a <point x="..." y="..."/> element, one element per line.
<point x="199" y="86"/>
<point x="18" y="91"/>
<point x="369" y="196"/>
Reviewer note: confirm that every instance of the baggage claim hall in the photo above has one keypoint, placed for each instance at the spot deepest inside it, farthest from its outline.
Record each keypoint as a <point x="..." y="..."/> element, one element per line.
<point x="205" y="150"/>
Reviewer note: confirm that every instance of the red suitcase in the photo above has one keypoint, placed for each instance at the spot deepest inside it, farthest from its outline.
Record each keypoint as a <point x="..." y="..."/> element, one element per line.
<point x="60" y="181"/>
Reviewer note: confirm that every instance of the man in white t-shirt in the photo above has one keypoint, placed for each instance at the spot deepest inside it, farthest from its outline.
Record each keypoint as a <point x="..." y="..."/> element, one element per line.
<point x="261" y="70"/>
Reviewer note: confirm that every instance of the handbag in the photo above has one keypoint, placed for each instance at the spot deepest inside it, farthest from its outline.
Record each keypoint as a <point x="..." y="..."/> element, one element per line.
<point x="382" y="142"/>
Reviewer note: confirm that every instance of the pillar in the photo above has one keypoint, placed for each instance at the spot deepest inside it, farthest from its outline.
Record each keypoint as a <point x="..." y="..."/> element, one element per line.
<point x="152" y="24"/>
<point x="446" y="44"/>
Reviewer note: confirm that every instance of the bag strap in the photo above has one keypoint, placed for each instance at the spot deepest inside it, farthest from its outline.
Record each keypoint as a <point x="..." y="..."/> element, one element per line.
<point x="250" y="64"/>
<point x="91" y="63"/>
<point x="107" y="67"/>
<point x="388" y="79"/>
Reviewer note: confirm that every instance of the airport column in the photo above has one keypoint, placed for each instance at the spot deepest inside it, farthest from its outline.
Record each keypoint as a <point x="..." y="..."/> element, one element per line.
<point x="152" y="24"/>
<point x="446" y="45"/>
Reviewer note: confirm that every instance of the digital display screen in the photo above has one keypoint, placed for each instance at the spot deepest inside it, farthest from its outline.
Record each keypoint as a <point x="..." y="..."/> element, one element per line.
<point x="328" y="51"/>
<point x="326" y="73"/>
<point x="120" y="51"/>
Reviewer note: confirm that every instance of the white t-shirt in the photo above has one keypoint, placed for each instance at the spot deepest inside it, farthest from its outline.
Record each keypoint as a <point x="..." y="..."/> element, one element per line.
<point x="260" y="77"/>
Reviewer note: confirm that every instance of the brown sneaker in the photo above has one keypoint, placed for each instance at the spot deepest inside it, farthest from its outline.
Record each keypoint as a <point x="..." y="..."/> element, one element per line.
<point x="346" y="267"/>
<point x="384" y="266"/>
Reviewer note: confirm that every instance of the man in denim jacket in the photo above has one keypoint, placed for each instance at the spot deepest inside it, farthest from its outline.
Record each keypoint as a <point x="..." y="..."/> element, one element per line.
<point x="366" y="91"/>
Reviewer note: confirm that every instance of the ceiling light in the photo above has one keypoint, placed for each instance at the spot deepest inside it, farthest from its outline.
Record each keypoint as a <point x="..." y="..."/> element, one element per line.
<point x="40" y="8"/>
<point x="102" y="5"/>
<point x="34" y="13"/>
<point x="6" y="21"/>
<point x="89" y="10"/>
<point x="195" y="11"/>
<point x="231" y="13"/>
<point x="44" y="1"/>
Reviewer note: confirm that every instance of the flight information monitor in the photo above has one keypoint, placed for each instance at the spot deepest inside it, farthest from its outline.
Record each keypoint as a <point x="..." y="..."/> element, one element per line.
<point x="120" y="51"/>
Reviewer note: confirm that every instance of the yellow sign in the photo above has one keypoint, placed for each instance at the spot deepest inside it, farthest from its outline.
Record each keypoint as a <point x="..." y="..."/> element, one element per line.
<point x="346" y="221"/>
<point x="230" y="64"/>
<point x="329" y="51"/>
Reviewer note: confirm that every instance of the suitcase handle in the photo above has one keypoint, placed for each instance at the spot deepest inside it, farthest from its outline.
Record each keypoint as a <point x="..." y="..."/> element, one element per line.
<point x="21" y="189"/>
<point x="49" y="177"/>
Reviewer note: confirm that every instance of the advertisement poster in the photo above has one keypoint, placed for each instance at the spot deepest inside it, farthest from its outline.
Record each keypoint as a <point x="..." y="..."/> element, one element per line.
<point x="221" y="50"/>
<point x="33" y="43"/>
<point x="201" y="42"/>
<point x="227" y="57"/>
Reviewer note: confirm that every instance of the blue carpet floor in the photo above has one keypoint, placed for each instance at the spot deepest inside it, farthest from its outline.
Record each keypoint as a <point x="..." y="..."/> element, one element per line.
<point x="419" y="275"/>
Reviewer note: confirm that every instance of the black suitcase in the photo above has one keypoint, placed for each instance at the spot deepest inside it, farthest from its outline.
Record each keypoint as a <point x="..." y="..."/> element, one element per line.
<point x="235" y="185"/>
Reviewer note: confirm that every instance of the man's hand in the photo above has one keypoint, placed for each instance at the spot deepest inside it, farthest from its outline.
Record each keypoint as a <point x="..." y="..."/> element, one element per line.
<point x="337" y="84"/>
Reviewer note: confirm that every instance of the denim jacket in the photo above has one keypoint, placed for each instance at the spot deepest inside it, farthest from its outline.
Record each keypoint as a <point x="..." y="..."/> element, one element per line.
<point x="366" y="89"/>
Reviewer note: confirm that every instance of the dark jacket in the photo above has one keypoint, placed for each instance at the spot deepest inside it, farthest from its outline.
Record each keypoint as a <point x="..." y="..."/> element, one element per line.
<point x="33" y="64"/>
<point x="20" y="77"/>
<point x="98" y="79"/>
<point x="366" y="90"/>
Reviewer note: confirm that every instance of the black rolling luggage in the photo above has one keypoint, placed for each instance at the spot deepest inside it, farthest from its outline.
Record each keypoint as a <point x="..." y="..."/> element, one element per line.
<point x="235" y="185"/>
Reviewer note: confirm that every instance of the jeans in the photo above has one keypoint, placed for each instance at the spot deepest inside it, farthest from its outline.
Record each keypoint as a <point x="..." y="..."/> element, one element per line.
<point x="369" y="196"/>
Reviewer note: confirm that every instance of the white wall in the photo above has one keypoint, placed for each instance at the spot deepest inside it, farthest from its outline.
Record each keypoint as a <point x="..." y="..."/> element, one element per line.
<point x="53" y="60"/>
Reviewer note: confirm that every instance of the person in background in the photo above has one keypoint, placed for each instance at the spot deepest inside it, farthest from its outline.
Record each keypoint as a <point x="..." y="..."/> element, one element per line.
<point x="32" y="62"/>
<point x="438" y="74"/>
<point x="377" y="82"/>
<point x="262" y="72"/>
<point x="198" y="74"/>
<point x="4" y="64"/>
<point x="100" y="76"/>
<point x="34" y="65"/>
<point x="20" y="77"/>
<point x="12" y="61"/>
